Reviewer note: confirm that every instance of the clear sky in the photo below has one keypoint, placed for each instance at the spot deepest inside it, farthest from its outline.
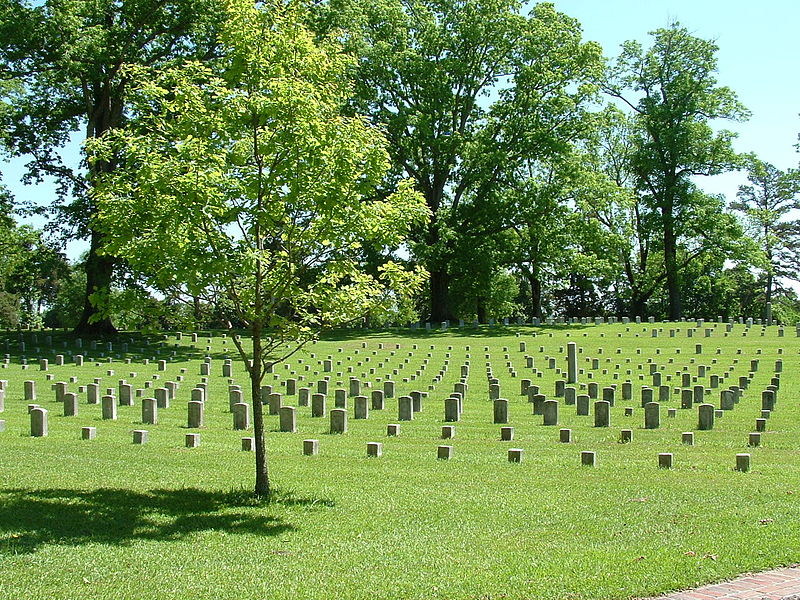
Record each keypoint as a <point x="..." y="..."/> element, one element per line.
<point x="759" y="56"/>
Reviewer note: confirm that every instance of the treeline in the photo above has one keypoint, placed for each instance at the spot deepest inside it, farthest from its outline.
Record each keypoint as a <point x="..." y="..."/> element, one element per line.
<point x="560" y="182"/>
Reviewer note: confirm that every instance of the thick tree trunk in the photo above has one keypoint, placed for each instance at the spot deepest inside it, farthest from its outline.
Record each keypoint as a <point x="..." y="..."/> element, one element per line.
<point x="481" y="309"/>
<point x="671" y="266"/>
<point x="99" y="270"/>
<point x="262" y="489"/>
<point x="536" y="297"/>
<point x="638" y="305"/>
<point x="440" y="301"/>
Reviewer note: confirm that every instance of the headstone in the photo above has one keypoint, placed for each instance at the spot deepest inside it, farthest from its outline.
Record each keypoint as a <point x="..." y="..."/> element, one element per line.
<point x="150" y="411"/>
<point x="652" y="415"/>
<point x="754" y="439"/>
<point x="338" y="420"/>
<point x="39" y="422"/>
<point x="248" y="444"/>
<point x="665" y="460"/>
<point x="705" y="414"/>
<point x="70" y="404"/>
<point x="572" y="362"/>
<point x="140" y="436"/>
<point x="550" y="412"/>
<point x="241" y="416"/>
<point x="565" y="436"/>
<point x="361" y="407"/>
<point x="500" y="410"/>
<point x="582" y="405"/>
<point x="743" y="462"/>
<point x="109" y="408"/>
<point x="318" y="408"/>
<point x="196" y="411"/>
<point x="588" y="458"/>
<point x="687" y="438"/>
<point x="310" y="447"/>
<point x="288" y="419"/>
<point x="88" y="433"/>
<point x="374" y="449"/>
<point x="444" y="452"/>
<point x="602" y="413"/>
<point x="626" y="436"/>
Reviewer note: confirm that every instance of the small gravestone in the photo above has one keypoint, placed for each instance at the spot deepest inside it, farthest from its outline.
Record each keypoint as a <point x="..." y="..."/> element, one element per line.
<point x="515" y="455"/>
<point x="310" y="447"/>
<point x="687" y="438"/>
<point x="448" y="432"/>
<point x="192" y="440"/>
<point x="588" y="458"/>
<point x="393" y="430"/>
<point x="565" y="436"/>
<point x="626" y="436"/>
<point x="374" y="449"/>
<point x="444" y="452"/>
<point x="754" y="439"/>
<point x="768" y="400"/>
<point x="506" y="434"/>
<point x="665" y="460"/>
<point x="743" y="462"/>
<point x="88" y="433"/>
<point x="248" y="444"/>
<point x="140" y="436"/>
<point x="761" y="425"/>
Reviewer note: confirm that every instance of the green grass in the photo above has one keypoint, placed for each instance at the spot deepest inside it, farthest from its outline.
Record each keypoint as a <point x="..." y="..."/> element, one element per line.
<point x="108" y="519"/>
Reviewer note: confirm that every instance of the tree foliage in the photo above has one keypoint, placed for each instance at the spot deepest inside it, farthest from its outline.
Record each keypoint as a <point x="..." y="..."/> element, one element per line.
<point x="246" y="183"/>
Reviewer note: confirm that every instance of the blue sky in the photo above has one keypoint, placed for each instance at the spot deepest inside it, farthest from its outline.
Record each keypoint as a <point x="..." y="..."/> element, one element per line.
<point x="758" y="58"/>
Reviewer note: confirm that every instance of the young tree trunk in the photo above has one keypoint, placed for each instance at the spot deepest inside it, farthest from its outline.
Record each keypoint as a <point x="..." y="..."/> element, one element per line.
<point x="99" y="270"/>
<point x="262" y="489"/>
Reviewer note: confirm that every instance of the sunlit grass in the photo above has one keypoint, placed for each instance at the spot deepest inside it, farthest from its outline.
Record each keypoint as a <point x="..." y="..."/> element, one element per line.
<point x="108" y="519"/>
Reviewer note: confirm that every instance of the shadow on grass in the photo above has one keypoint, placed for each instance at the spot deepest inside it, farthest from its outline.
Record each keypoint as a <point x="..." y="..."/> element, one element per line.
<point x="30" y="519"/>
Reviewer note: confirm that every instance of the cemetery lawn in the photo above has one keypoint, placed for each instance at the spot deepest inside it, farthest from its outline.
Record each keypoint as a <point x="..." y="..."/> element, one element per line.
<point x="109" y="519"/>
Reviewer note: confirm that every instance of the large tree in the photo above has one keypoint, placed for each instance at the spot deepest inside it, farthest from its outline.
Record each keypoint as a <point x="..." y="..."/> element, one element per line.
<point x="65" y="58"/>
<point x="466" y="89"/>
<point x="674" y="95"/>
<point x="767" y="204"/>
<point x="246" y="186"/>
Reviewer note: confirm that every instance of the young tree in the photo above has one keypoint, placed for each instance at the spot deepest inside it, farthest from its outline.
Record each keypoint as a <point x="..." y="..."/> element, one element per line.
<point x="466" y="91"/>
<point x="674" y="95"/>
<point x="766" y="203"/>
<point x="248" y="185"/>
<point x="65" y="58"/>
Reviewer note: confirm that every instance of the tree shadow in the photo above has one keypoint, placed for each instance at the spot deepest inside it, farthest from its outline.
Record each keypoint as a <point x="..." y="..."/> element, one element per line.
<point x="33" y="518"/>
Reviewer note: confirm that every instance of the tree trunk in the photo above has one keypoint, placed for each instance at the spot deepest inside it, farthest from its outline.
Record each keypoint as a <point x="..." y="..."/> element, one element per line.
<point x="671" y="267"/>
<point x="638" y="305"/>
<point x="99" y="270"/>
<point x="262" y="489"/>
<point x="536" y="297"/>
<point x="481" y="310"/>
<point x="440" y="305"/>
